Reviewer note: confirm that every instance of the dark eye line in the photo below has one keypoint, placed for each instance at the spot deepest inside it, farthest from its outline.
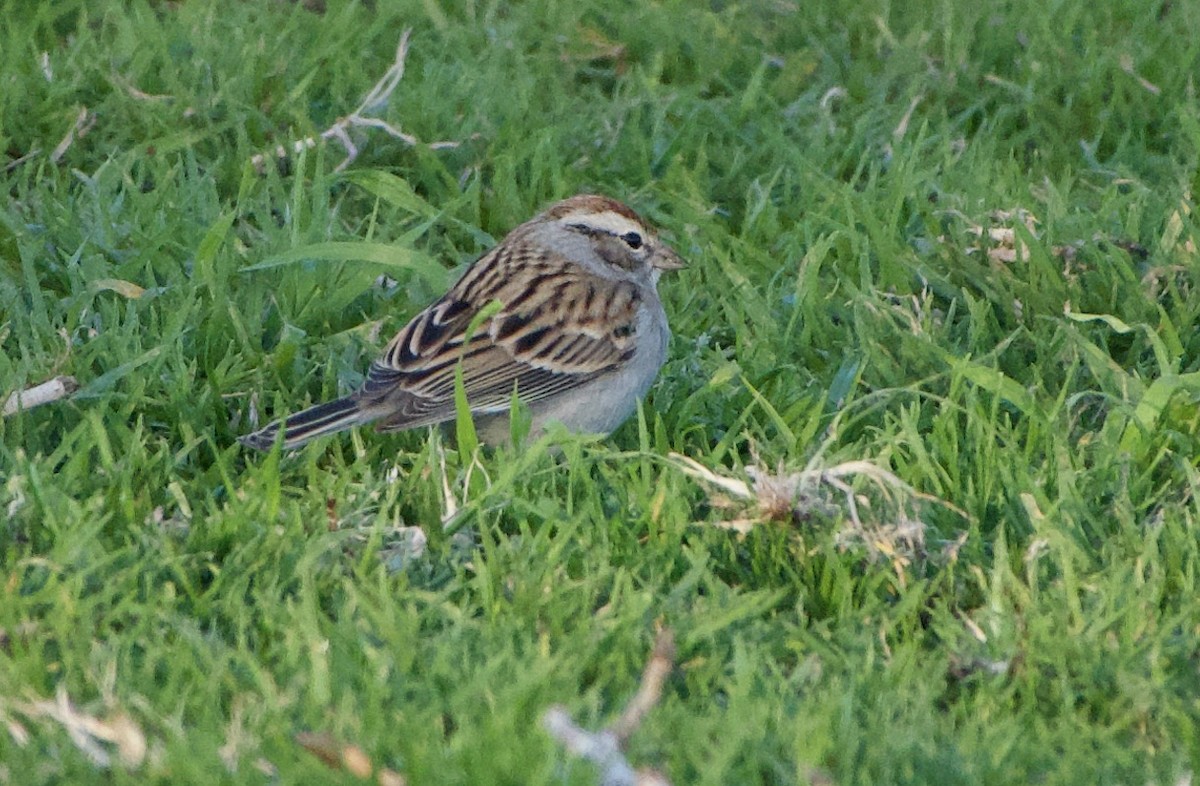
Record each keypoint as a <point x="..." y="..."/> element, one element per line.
<point x="582" y="228"/>
<point x="632" y="239"/>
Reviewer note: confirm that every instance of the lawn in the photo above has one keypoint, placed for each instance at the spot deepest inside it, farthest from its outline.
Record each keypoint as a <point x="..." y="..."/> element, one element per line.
<point x="917" y="492"/>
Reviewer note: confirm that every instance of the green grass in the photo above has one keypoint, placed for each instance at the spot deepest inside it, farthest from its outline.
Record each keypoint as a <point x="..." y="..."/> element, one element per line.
<point x="837" y="308"/>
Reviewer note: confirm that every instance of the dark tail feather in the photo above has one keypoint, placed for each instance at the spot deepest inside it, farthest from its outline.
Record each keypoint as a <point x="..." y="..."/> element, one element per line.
<point x="309" y="424"/>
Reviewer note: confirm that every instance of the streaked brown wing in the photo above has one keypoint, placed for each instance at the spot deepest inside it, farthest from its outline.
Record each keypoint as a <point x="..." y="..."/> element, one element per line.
<point x="557" y="328"/>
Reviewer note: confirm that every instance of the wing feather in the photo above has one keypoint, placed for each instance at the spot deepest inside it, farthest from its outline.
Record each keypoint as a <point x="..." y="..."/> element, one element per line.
<point x="557" y="328"/>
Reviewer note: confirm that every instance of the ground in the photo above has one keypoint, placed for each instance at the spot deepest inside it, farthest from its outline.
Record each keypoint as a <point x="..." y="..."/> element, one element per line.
<point x="915" y="493"/>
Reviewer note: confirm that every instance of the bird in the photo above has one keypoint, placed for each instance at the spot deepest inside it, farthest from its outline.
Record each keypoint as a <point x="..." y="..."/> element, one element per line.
<point x="564" y="311"/>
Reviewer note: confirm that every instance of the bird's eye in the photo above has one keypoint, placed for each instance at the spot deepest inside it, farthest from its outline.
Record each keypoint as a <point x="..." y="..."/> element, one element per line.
<point x="633" y="240"/>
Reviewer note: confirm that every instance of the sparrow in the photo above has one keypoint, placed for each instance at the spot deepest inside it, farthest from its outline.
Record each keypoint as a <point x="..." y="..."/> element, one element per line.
<point x="564" y="311"/>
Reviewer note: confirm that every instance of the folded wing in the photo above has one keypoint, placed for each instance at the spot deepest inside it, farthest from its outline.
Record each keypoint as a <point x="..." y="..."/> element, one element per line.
<point x="555" y="328"/>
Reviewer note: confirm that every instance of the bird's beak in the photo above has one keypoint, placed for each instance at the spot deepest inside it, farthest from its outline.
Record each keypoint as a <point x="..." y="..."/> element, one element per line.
<point x="665" y="258"/>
